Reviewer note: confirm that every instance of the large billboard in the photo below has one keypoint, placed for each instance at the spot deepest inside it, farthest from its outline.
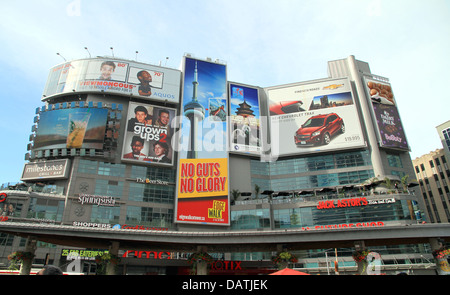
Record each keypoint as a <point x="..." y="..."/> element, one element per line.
<point x="148" y="136"/>
<point x="314" y="117"/>
<point x="390" y="129"/>
<point x="71" y="128"/>
<point x="114" y="76"/>
<point x="245" y="122"/>
<point x="202" y="186"/>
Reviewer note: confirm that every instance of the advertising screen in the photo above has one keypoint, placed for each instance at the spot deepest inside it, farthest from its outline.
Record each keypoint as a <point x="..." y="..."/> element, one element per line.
<point x="390" y="129"/>
<point x="71" y="128"/>
<point x="148" y="136"/>
<point x="115" y="76"/>
<point x="202" y="186"/>
<point x="245" y="127"/>
<point x="314" y="117"/>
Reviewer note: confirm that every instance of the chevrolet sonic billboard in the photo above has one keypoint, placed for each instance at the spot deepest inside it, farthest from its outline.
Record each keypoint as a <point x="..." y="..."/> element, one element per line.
<point x="313" y="117"/>
<point x="121" y="77"/>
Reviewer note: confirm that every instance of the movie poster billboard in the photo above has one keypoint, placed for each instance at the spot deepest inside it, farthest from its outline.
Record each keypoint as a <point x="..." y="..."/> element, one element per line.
<point x="202" y="185"/>
<point x="245" y="127"/>
<point x="71" y="128"/>
<point x="390" y="129"/>
<point x="148" y="135"/>
<point x="314" y="117"/>
<point x="114" y="76"/>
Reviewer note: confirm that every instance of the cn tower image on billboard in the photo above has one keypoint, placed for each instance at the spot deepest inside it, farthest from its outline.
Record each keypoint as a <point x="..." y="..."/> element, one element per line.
<point x="195" y="112"/>
<point x="205" y="110"/>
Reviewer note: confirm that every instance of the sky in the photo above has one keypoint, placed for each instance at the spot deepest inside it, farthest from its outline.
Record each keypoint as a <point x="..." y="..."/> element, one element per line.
<point x="264" y="43"/>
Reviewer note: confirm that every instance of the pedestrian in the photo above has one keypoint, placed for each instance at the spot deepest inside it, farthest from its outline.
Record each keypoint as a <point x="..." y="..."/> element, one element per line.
<point x="50" y="270"/>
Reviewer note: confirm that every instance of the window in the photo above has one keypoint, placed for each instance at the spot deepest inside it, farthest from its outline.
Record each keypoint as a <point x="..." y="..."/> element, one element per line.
<point x="86" y="166"/>
<point x="109" y="188"/>
<point x="41" y="208"/>
<point x="103" y="214"/>
<point x="110" y="169"/>
<point x="157" y="217"/>
<point x="394" y="161"/>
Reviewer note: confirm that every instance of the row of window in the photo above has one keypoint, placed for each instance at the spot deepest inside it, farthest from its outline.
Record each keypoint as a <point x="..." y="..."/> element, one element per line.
<point x="312" y="181"/>
<point x="119" y="170"/>
<point x="139" y="192"/>
<point x="310" y="164"/>
<point x="311" y="216"/>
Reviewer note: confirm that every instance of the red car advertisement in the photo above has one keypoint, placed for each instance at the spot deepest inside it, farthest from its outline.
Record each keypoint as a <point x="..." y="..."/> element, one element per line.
<point x="314" y="117"/>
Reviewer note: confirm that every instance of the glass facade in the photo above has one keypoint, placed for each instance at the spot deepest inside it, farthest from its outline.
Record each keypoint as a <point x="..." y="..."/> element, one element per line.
<point x="124" y="186"/>
<point x="250" y="219"/>
<point x="311" y="216"/>
<point x="302" y="173"/>
<point x="42" y="208"/>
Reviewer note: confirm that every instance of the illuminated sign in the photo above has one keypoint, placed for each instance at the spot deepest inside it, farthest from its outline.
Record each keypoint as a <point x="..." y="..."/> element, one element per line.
<point x="342" y="203"/>
<point x="82" y="254"/>
<point x="45" y="170"/>
<point x="150" y="181"/>
<point x="139" y="227"/>
<point x="147" y="254"/>
<point x="96" y="200"/>
<point x="353" y="202"/>
<point x="226" y="265"/>
<point x="91" y="224"/>
<point x="3" y="197"/>
<point x="350" y="225"/>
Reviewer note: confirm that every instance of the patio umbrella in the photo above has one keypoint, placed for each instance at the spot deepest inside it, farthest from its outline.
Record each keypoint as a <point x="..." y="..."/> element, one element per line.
<point x="289" y="272"/>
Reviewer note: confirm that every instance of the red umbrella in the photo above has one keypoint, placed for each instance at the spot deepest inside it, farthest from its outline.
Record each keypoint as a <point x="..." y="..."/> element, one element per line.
<point x="289" y="272"/>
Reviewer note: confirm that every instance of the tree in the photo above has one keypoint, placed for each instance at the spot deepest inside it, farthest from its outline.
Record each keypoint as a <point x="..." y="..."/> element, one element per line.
<point x="257" y="191"/>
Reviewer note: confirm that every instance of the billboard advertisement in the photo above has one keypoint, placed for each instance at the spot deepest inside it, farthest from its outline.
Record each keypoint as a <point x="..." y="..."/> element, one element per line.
<point x="56" y="169"/>
<point x="314" y="117"/>
<point x="202" y="181"/>
<point x="245" y="126"/>
<point x="71" y="128"/>
<point x="390" y="129"/>
<point x="114" y="76"/>
<point x="148" y="136"/>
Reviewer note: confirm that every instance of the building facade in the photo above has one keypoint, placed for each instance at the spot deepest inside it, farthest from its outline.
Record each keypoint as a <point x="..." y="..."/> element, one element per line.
<point x="433" y="174"/>
<point x="121" y="144"/>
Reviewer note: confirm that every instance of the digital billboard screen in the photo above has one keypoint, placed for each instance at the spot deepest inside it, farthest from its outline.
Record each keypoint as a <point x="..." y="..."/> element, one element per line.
<point x="245" y="125"/>
<point x="202" y="185"/>
<point x="148" y="136"/>
<point x="115" y="76"/>
<point x="390" y="128"/>
<point x="314" y="117"/>
<point x="71" y="128"/>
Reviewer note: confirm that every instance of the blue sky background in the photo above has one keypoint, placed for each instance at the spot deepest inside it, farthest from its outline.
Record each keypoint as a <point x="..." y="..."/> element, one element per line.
<point x="264" y="43"/>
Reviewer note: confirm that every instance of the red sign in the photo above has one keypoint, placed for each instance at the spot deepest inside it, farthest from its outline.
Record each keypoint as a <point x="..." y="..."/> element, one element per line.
<point x="226" y="265"/>
<point x="3" y="197"/>
<point x="342" y="203"/>
<point x="148" y="254"/>
<point x="347" y="225"/>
